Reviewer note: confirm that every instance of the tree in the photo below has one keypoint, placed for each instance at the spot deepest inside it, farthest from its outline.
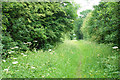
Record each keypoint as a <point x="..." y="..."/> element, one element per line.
<point x="71" y="10"/>
<point x="41" y="23"/>
<point x="102" y="25"/>
<point x="78" y="24"/>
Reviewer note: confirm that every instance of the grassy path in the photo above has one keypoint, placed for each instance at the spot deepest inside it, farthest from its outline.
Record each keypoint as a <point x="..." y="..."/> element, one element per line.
<point x="72" y="59"/>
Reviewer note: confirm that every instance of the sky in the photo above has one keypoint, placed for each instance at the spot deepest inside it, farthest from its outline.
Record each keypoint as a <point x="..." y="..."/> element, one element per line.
<point x="86" y="4"/>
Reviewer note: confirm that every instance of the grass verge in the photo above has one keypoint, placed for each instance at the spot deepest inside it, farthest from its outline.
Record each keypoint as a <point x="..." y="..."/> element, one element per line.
<point x="72" y="59"/>
<point x="99" y="60"/>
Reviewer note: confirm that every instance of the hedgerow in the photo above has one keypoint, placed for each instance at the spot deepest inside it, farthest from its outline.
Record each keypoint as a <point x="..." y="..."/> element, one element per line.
<point x="102" y="24"/>
<point x="37" y="25"/>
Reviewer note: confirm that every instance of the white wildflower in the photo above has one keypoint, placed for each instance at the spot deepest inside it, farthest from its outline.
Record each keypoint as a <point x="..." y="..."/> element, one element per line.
<point x="4" y="60"/>
<point x="22" y="53"/>
<point x="32" y="67"/>
<point x="14" y="58"/>
<point x="17" y="70"/>
<point x="12" y="48"/>
<point x="73" y="34"/>
<point x="72" y="20"/>
<point x="29" y="42"/>
<point x="10" y="52"/>
<point x="43" y="76"/>
<point x="115" y="47"/>
<point x="25" y="43"/>
<point x="34" y="41"/>
<point x="5" y="70"/>
<point x="16" y="47"/>
<point x="50" y="50"/>
<point x="15" y="62"/>
<point x="64" y="4"/>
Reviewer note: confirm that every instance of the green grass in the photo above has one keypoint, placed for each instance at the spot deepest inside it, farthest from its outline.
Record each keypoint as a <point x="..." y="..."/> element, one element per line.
<point x="98" y="61"/>
<point x="71" y="59"/>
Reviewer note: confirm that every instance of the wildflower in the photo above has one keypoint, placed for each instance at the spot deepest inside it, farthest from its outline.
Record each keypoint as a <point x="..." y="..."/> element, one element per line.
<point x="34" y="41"/>
<point x="4" y="60"/>
<point x="12" y="48"/>
<point x="5" y="70"/>
<point x="10" y="52"/>
<point x="74" y="34"/>
<point x="33" y="67"/>
<point x="29" y="43"/>
<point x="17" y="70"/>
<point x="72" y="20"/>
<point x="25" y="43"/>
<point x="22" y="53"/>
<point x="64" y="4"/>
<point x="14" y="58"/>
<point x="15" y="62"/>
<point x="43" y="76"/>
<point x="115" y="47"/>
<point x="49" y="50"/>
<point x="16" y="47"/>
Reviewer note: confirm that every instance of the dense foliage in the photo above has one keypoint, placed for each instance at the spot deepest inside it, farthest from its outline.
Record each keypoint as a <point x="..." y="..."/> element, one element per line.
<point x="102" y="24"/>
<point x="71" y="10"/>
<point x="78" y="24"/>
<point x="35" y="24"/>
<point x="0" y="32"/>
